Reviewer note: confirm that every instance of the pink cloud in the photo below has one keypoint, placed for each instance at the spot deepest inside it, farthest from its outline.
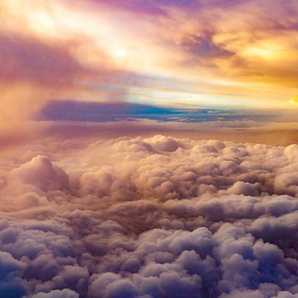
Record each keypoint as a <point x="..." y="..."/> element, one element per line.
<point x="148" y="216"/>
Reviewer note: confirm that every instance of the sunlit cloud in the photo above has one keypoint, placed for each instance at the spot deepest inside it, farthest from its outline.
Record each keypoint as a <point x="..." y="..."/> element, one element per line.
<point x="143" y="216"/>
<point x="235" y="42"/>
<point x="294" y="100"/>
<point x="195" y="54"/>
<point x="148" y="148"/>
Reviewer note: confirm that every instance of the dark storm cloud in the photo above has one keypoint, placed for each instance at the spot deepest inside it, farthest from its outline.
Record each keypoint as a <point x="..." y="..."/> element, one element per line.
<point x="150" y="217"/>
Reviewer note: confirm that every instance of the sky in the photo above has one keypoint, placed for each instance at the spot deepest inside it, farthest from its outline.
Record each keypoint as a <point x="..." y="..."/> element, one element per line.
<point x="195" y="53"/>
<point x="148" y="149"/>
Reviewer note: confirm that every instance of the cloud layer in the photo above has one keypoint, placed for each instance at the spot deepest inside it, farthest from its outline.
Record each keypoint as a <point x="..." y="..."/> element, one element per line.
<point x="150" y="217"/>
<point x="199" y="53"/>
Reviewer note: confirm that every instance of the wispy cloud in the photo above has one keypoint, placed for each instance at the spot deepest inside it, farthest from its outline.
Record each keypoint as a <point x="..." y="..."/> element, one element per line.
<point x="236" y="45"/>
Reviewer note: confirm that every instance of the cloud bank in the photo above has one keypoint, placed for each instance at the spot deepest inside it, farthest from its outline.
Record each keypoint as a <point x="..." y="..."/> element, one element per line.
<point x="149" y="217"/>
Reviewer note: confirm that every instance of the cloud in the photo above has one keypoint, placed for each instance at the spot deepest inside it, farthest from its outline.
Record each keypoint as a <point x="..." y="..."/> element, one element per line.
<point x="33" y="69"/>
<point x="100" y="50"/>
<point x="149" y="217"/>
<point x="294" y="100"/>
<point x="38" y="64"/>
<point x="68" y="110"/>
<point x="40" y="172"/>
<point x="37" y="61"/>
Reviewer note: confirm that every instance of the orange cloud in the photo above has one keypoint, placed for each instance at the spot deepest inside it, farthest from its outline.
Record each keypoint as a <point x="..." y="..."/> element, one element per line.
<point x="220" y="52"/>
<point x="294" y="100"/>
<point x="37" y="64"/>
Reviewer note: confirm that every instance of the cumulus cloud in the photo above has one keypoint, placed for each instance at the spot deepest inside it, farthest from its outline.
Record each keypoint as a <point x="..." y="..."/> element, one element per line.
<point x="150" y="217"/>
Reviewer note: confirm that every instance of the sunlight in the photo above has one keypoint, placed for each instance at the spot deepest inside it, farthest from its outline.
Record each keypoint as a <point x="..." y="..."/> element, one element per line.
<point x="264" y="50"/>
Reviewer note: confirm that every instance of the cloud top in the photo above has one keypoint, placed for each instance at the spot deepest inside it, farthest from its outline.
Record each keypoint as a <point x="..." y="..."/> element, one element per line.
<point x="151" y="217"/>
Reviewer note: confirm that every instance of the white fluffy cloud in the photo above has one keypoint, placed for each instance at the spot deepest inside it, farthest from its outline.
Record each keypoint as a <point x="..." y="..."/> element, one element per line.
<point x="150" y="217"/>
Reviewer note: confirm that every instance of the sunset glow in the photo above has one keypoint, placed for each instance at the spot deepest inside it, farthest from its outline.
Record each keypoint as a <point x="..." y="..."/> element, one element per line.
<point x="148" y="148"/>
<point x="233" y="42"/>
